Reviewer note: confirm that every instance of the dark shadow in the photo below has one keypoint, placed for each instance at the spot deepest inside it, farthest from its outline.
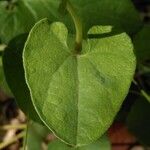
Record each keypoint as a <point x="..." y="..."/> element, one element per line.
<point x="114" y="32"/>
<point x="1" y="53"/>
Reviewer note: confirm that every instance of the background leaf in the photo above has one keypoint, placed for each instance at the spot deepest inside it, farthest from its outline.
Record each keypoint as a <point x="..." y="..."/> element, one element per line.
<point x="3" y="84"/>
<point x="138" y="120"/>
<point x="108" y="12"/>
<point x="14" y="73"/>
<point x="141" y="44"/>
<point x="25" y="13"/>
<point x="35" y="136"/>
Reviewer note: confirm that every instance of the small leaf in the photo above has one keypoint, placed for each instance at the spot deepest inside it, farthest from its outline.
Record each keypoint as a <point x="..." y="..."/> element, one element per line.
<point x="78" y="96"/>
<point x="138" y="121"/>
<point x="35" y="136"/>
<point x="141" y="43"/>
<point x="101" y="144"/>
<point x="14" y="73"/>
<point x="23" y="15"/>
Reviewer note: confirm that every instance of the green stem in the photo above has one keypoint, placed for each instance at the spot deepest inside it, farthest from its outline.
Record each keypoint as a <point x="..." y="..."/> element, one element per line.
<point x="9" y="127"/>
<point x="143" y="93"/>
<point x="26" y="135"/>
<point x="78" y="27"/>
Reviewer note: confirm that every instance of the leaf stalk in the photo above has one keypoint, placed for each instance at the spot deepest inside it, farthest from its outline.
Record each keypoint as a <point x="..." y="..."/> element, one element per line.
<point x="78" y="27"/>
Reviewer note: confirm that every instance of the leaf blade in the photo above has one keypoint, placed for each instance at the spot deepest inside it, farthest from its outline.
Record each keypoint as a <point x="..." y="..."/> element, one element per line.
<point x="71" y="86"/>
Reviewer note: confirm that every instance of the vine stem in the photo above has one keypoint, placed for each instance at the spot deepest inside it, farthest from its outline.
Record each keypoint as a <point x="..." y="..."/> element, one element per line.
<point x="26" y="135"/>
<point x="78" y="26"/>
<point x="12" y="140"/>
<point x="8" y="127"/>
<point x="143" y="93"/>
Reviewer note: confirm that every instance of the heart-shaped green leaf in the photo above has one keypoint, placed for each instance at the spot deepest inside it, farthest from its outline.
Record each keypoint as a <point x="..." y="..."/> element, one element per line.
<point x="14" y="73"/>
<point x="102" y="144"/>
<point x="78" y="95"/>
